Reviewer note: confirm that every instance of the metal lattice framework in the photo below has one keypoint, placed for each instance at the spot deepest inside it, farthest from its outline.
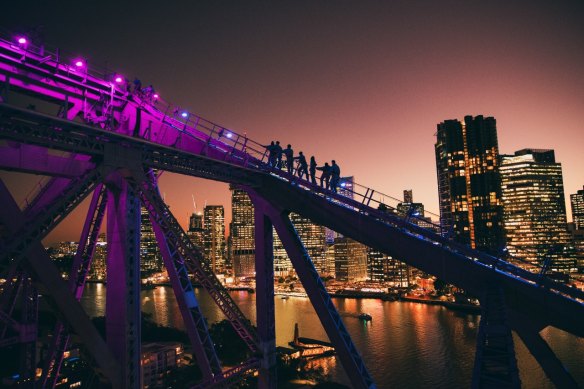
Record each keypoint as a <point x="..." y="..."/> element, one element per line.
<point x="107" y="141"/>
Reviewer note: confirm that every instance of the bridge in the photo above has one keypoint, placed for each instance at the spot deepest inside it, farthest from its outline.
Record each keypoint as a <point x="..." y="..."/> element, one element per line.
<point x="93" y="137"/>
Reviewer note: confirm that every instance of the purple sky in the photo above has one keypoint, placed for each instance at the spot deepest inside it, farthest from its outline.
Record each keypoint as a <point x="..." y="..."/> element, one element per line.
<point x="364" y="83"/>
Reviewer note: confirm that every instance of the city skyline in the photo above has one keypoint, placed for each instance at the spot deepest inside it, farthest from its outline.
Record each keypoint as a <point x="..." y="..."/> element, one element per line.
<point x="353" y="83"/>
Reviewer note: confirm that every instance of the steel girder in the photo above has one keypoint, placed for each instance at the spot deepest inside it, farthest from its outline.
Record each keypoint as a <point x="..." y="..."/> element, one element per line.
<point x="40" y="266"/>
<point x="195" y="262"/>
<point x="318" y="295"/>
<point x="123" y="313"/>
<point x="77" y="277"/>
<point x="265" y="309"/>
<point x="543" y="306"/>
<point x="193" y="318"/>
<point x="49" y="215"/>
<point x="495" y="364"/>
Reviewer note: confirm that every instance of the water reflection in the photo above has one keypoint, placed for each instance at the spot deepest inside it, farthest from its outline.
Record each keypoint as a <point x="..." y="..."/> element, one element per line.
<point x="405" y="344"/>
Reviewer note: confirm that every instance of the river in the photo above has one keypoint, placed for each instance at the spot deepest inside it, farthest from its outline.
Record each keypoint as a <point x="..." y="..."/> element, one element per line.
<point x="406" y="345"/>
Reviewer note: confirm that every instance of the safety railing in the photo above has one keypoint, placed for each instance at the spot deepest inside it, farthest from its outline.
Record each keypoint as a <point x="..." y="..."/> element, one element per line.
<point x="241" y="150"/>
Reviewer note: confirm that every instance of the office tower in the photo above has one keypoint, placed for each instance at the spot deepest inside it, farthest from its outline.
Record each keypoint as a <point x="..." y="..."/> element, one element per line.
<point x="577" y="202"/>
<point x="376" y="265"/>
<point x="534" y="209"/>
<point x="469" y="185"/>
<point x="577" y="226"/>
<point x="98" y="267"/>
<point x="196" y="231"/>
<point x="350" y="260"/>
<point x="314" y="241"/>
<point x="214" y="236"/>
<point x="150" y="257"/>
<point x="242" y="233"/>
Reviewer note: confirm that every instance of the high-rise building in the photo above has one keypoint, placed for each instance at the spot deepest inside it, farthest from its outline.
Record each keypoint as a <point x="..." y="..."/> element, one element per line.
<point x="577" y="202"/>
<point x="534" y="209"/>
<point x="98" y="265"/>
<point x="214" y="236"/>
<point x="313" y="239"/>
<point x="242" y="233"/>
<point x="376" y="265"/>
<point x="196" y="231"/>
<point x="577" y="230"/>
<point x="469" y="184"/>
<point x="350" y="260"/>
<point x="150" y="257"/>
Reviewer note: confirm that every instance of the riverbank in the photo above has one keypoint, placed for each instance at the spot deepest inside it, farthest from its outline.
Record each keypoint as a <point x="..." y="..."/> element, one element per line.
<point x="468" y="308"/>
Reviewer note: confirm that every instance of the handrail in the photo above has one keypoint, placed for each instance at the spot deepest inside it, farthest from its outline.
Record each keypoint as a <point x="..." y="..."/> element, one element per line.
<point x="240" y="150"/>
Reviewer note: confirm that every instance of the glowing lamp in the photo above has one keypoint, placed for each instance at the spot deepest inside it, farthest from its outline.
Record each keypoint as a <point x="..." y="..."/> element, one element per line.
<point x="155" y="95"/>
<point x="22" y="40"/>
<point x="184" y="114"/>
<point x="119" y="79"/>
<point x="79" y="63"/>
<point x="343" y="184"/>
<point x="229" y="135"/>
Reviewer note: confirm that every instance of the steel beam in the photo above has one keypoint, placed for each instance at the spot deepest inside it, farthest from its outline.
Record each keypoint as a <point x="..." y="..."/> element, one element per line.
<point x="77" y="277"/>
<point x="194" y="261"/>
<point x="193" y="318"/>
<point x="320" y="299"/>
<point x="123" y="330"/>
<point x="38" y="160"/>
<point x="265" y="309"/>
<point x="543" y="354"/>
<point x="49" y="213"/>
<point x="495" y="364"/>
<point x="58" y="295"/>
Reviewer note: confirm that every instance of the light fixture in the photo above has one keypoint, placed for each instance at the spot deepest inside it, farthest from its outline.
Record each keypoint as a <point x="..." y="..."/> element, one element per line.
<point x="184" y="114"/>
<point x="229" y="135"/>
<point x="119" y="79"/>
<point x="22" y="40"/>
<point x="79" y="63"/>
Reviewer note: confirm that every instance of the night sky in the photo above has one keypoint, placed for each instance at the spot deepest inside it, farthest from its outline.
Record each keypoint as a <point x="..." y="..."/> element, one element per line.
<point x="364" y="83"/>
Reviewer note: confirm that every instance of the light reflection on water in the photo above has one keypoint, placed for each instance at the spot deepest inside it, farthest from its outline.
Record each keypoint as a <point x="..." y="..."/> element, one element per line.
<point x="406" y="345"/>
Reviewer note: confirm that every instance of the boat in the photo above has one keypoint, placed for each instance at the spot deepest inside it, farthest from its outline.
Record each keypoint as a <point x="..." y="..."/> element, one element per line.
<point x="365" y="316"/>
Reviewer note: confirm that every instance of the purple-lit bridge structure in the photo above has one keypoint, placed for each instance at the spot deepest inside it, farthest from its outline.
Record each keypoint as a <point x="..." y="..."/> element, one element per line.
<point x="89" y="137"/>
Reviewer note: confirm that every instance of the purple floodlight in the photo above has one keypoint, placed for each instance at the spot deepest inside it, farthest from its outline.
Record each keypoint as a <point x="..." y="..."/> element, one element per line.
<point x="79" y="63"/>
<point x="184" y="114"/>
<point x="229" y="135"/>
<point x="119" y="79"/>
<point x="22" y="40"/>
<point x="343" y="184"/>
<point x="155" y="95"/>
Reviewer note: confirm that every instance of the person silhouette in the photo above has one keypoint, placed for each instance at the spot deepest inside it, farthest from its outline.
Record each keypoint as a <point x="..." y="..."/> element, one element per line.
<point x="326" y="175"/>
<point x="289" y="153"/>
<point x="313" y="170"/>
<point x="335" y="176"/>
<point x="302" y="165"/>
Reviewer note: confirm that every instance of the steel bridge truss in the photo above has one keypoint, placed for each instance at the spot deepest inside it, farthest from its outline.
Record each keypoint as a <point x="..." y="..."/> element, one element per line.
<point x="116" y="158"/>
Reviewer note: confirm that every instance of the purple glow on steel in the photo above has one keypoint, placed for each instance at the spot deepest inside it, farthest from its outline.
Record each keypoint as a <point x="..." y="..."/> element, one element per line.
<point x="119" y="79"/>
<point x="79" y="63"/>
<point x="184" y="114"/>
<point x="22" y="40"/>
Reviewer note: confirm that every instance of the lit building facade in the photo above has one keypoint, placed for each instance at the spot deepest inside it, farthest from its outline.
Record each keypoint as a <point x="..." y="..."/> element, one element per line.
<point x="158" y="361"/>
<point x="150" y="257"/>
<point x="469" y="183"/>
<point x="196" y="231"/>
<point x="350" y="260"/>
<point x="314" y="241"/>
<point x="577" y="202"/>
<point x="535" y="212"/>
<point x="577" y="226"/>
<point x="214" y="236"/>
<point x="242" y="234"/>
<point x="98" y="265"/>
